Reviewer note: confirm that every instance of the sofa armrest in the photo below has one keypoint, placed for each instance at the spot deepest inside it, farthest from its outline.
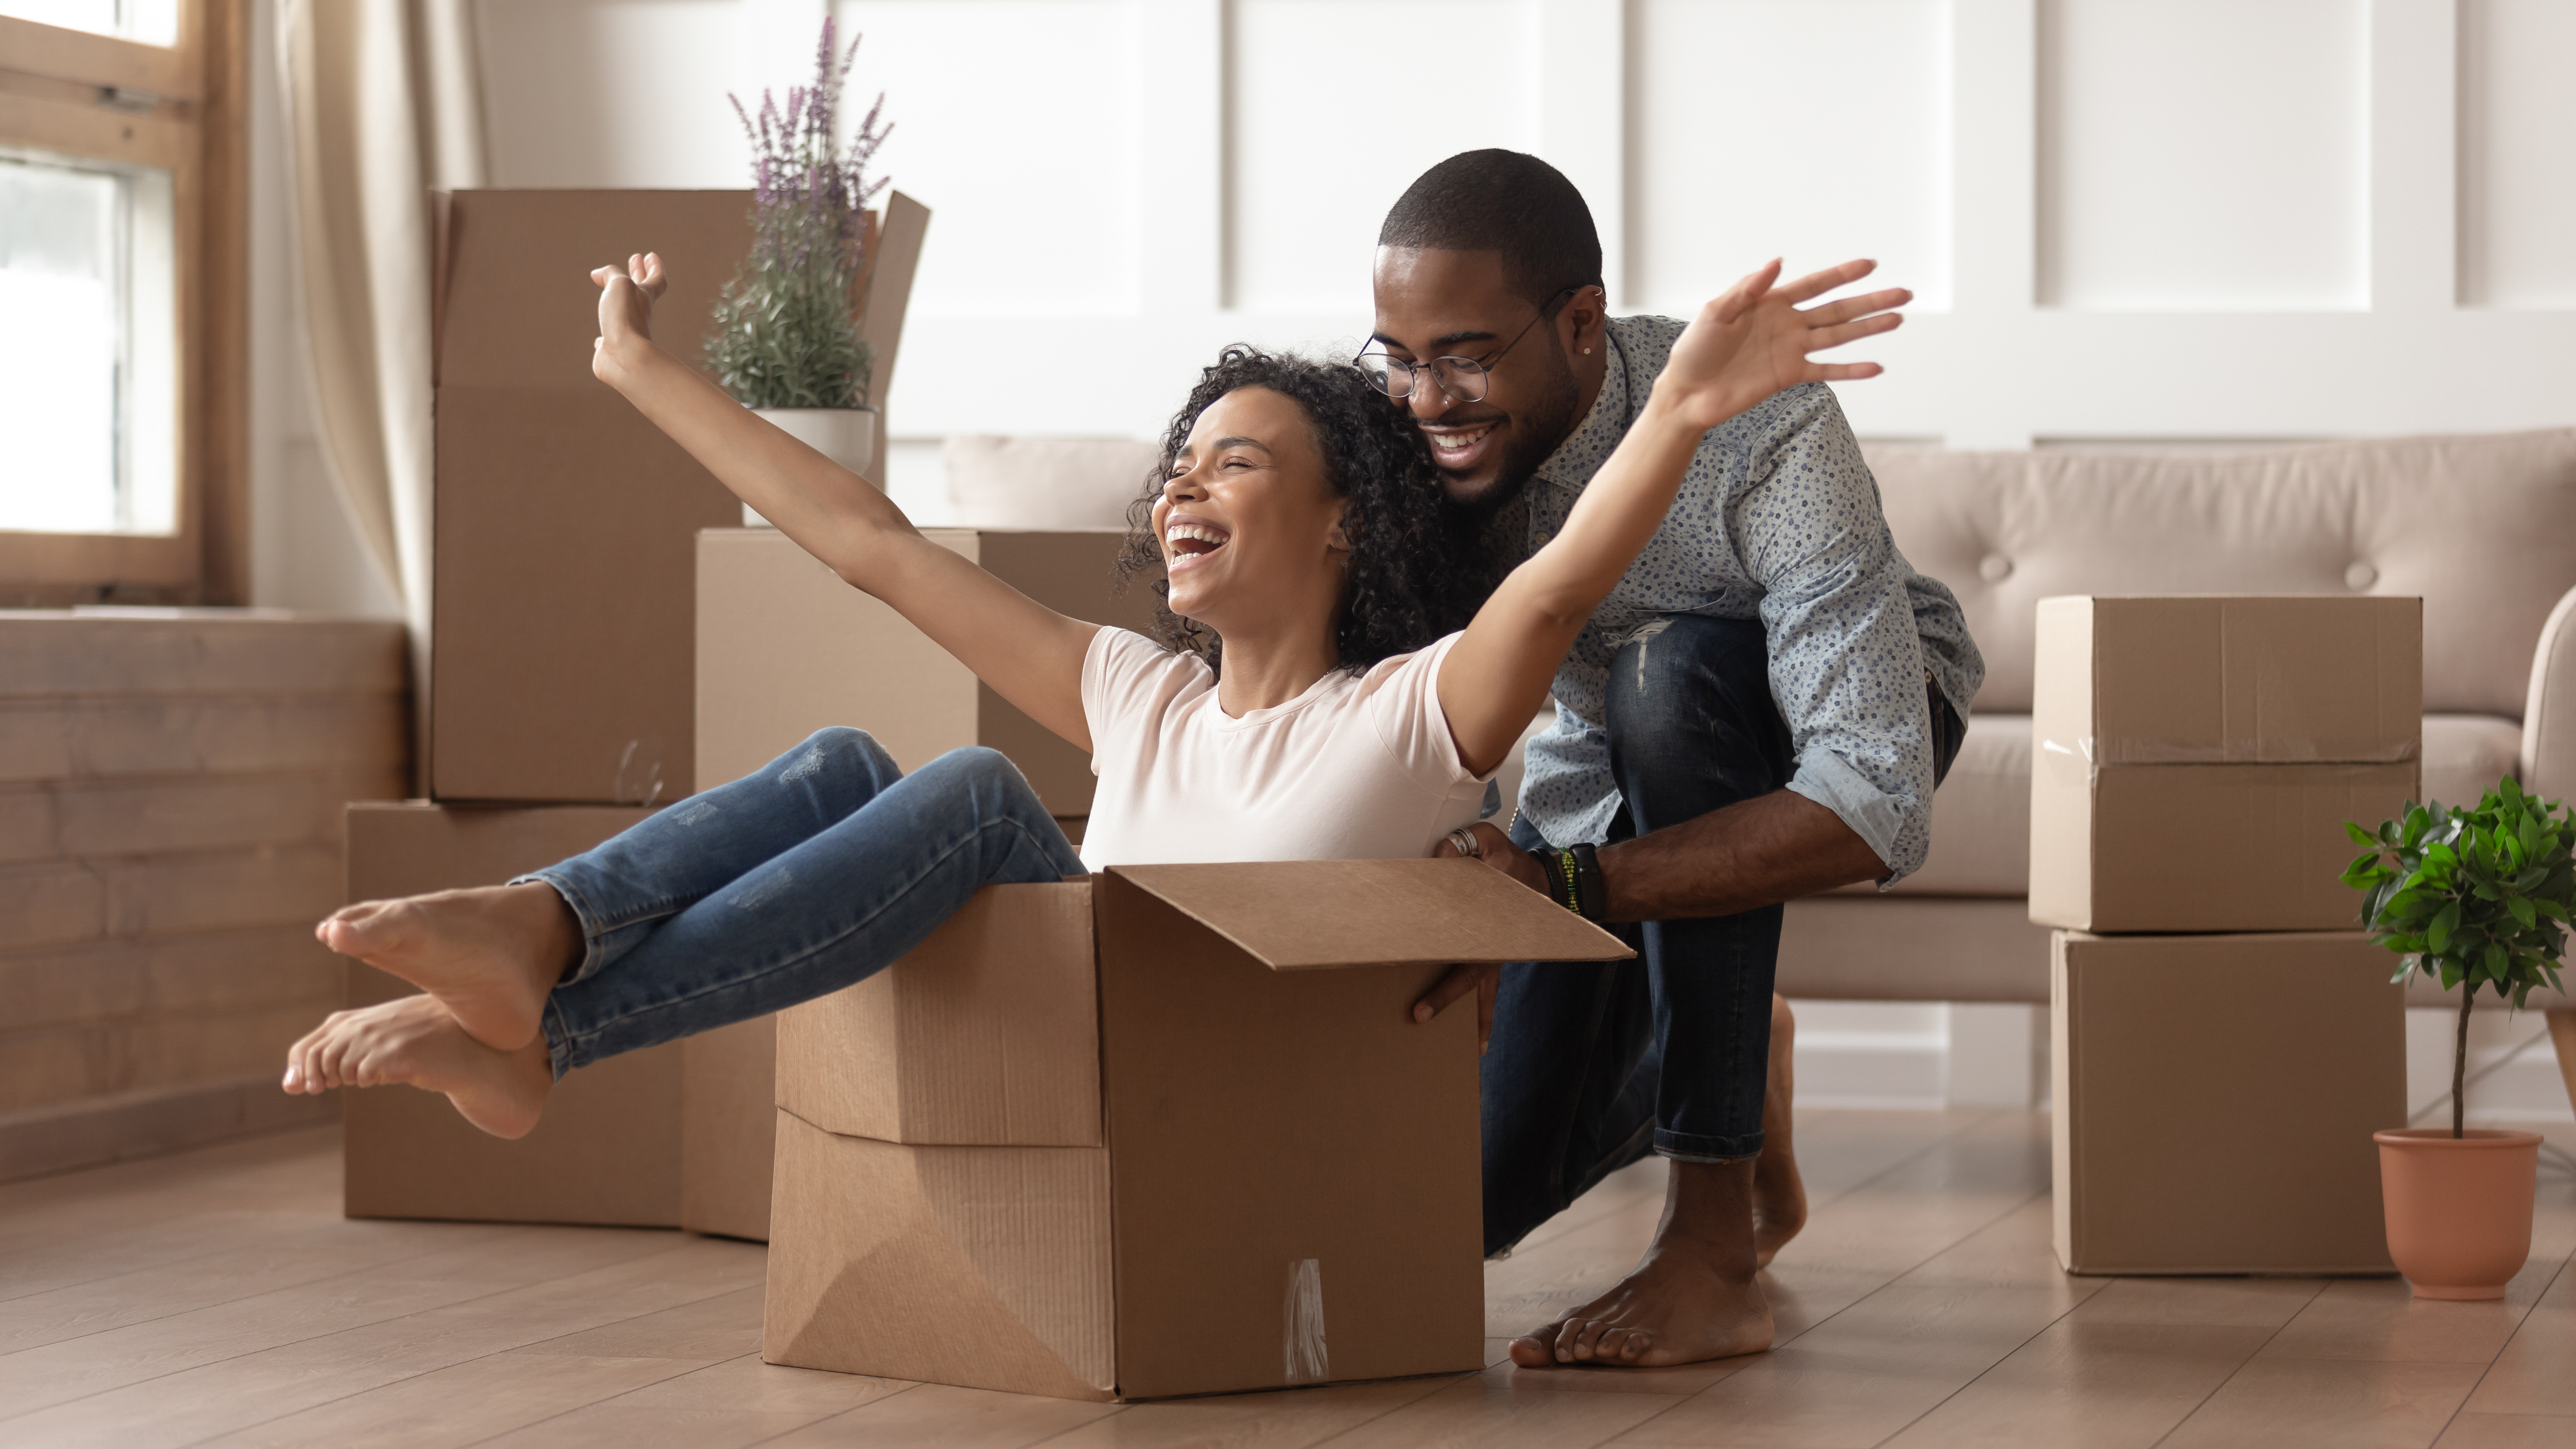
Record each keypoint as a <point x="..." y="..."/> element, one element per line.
<point x="2549" y="713"/>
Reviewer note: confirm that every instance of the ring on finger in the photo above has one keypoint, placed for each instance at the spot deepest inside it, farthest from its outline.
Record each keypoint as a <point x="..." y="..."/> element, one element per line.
<point x="1463" y="840"/>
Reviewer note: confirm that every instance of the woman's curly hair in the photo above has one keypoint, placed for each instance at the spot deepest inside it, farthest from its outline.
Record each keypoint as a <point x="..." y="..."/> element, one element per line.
<point x="1406" y="584"/>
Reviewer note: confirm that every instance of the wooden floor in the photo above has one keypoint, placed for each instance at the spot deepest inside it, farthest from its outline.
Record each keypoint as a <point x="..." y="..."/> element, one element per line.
<point x="219" y="1297"/>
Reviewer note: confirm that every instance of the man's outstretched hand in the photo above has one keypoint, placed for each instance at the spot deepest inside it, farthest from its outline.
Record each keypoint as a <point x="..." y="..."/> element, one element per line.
<point x="1498" y="852"/>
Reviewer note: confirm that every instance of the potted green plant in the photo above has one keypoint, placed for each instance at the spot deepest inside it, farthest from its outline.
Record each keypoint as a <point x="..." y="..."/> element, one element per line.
<point x="787" y="341"/>
<point x="2469" y="896"/>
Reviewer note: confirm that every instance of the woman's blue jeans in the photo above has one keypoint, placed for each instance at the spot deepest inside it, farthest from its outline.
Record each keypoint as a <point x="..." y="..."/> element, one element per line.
<point x="811" y="873"/>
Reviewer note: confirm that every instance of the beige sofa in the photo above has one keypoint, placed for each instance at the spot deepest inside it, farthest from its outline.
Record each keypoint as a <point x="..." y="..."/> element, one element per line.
<point x="2484" y="528"/>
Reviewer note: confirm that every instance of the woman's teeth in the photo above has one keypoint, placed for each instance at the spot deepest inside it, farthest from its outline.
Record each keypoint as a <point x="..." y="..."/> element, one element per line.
<point x="1207" y="541"/>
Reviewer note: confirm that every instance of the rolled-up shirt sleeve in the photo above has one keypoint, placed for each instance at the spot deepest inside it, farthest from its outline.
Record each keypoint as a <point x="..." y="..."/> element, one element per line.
<point x="1847" y="667"/>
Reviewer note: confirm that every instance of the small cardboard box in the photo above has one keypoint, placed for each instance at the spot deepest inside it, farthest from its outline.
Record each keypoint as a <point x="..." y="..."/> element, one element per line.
<point x="1166" y="1130"/>
<point x="2195" y="757"/>
<point x="608" y="1149"/>
<point x="2215" y="1097"/>
<point x="786" y="648"/>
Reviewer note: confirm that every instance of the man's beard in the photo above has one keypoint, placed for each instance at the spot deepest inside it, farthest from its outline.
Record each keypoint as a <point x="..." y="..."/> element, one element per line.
<point x="1538" y="430"/>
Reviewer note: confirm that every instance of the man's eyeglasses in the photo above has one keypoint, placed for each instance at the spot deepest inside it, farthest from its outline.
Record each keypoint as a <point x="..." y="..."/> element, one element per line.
<point x="1460" y="379"/>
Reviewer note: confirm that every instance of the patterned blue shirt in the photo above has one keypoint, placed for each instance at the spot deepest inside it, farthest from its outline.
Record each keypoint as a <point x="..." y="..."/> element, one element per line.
<point x="1778" y="519"/>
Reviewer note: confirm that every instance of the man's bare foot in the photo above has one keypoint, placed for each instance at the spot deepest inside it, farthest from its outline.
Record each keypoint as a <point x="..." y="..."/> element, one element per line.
<point x="1779" y="1195"/>
<point x="413" y="1041"/>
<point x="1693" y="1297"/>
<point x="489" y="955"/>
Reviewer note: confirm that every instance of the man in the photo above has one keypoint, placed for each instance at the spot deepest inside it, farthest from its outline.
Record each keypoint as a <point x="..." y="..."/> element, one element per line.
<point x="1759" y="712"/>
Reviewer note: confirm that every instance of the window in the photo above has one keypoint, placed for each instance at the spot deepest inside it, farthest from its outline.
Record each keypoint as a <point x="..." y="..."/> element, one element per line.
<point x="123" y="319"/>
<point x="88" y="365"/>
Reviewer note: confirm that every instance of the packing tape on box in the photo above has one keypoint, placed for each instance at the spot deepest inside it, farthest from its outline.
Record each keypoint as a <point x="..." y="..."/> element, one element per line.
<point x="2090" y="754"/>
<point x="1302" y="1317"/>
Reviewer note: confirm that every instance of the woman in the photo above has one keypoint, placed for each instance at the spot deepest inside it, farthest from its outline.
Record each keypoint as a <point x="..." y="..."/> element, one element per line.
<point x="1291" y="514"/>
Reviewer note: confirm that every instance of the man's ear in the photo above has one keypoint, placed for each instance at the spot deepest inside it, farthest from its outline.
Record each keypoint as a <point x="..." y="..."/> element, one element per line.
<point x="1337" y="537"/>
<point x="1584" y="319"/>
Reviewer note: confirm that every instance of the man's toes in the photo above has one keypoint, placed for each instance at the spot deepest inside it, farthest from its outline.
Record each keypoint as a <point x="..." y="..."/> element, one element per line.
<point x="1587" y="1340"/>
<point x="1535" y="1350"/>
<point x="1625" y="1344"/>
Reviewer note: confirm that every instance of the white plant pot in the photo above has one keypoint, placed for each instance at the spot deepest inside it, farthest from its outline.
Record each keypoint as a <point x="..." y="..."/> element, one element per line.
<point x="847" y="436"/>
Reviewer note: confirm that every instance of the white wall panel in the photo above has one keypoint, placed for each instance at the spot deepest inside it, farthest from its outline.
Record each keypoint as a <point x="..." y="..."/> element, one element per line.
<point x="613" y="92"/>
<point x="2518" y="153"/>
<point x="1814" y="130"/>
<point x="1015" y="122"/>
<point x="1335" y="106"/>
<point x="2204" y="155"/>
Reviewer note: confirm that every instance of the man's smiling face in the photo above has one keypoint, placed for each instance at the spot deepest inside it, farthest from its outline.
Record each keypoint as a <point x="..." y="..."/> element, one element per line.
<point x="1434" y="303"/>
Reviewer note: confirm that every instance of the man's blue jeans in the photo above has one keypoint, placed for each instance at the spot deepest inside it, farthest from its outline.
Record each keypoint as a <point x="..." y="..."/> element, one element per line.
<point x="814" y="872"/>
<point x="1592" y="1067"/>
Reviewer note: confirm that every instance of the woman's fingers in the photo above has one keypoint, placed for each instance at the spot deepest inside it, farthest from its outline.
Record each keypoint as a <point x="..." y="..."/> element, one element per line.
<point x="1841" y="371"/>
<point x="1818" y="339"/>
<point x="1843" y="309"/>
<point x="1816" y="284"/>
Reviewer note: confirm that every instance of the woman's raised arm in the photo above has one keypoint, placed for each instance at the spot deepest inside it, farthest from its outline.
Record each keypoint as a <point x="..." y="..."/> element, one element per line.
<point x="1030" y="654"/>
<point x="1741" y="348"/>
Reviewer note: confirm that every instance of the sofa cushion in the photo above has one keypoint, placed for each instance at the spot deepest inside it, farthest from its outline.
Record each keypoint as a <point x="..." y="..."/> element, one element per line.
<point x="1050" y="483"/>
<point x="2483" y="528"/>
<point x="2465" y="754"/>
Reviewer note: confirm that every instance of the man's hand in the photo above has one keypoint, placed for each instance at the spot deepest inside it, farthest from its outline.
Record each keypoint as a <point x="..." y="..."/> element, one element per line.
<point x="626" y="297"/>
<point x="1753" y="341"/>
<point x="1496" y="850"/>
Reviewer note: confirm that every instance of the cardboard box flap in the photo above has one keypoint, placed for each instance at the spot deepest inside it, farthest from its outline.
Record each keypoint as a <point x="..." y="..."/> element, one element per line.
<point x="1313" y="914"/>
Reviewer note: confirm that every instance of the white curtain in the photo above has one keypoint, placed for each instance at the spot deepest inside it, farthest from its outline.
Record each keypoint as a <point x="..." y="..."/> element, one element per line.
<point x="383" y="106"/>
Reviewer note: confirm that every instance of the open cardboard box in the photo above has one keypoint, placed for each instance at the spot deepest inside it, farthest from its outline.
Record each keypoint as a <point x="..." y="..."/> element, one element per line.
<point x="1165" y="1130"/>
<point x="2215" y="1097"/>
<point x="608" y="1149"/>
<point x="2196" y="756"/>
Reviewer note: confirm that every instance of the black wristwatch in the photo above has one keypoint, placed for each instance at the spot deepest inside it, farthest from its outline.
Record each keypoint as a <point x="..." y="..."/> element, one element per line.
<point x="1574" y="880"/>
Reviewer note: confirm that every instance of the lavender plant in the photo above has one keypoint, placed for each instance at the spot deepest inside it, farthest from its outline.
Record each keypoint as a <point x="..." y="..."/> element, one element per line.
<point x="787" y="326"/>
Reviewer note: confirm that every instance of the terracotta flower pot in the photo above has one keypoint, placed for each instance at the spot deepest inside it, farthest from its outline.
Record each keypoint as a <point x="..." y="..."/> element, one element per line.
<point x="2459" y="1209"/>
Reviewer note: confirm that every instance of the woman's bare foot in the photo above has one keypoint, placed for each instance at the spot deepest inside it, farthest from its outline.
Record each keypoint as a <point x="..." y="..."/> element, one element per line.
<point x="413" y="1041"/>
<point x="1693" y="1297"/>
<point x="489" y="955"/>
<point x="1779" y="1194"/>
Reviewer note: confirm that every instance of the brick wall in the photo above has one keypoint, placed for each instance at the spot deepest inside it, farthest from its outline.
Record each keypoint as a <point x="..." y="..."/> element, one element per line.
<point x="171" y="785"/>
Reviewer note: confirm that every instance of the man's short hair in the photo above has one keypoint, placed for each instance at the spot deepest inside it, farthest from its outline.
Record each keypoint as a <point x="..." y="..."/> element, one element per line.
<point x="1507" y="202"/>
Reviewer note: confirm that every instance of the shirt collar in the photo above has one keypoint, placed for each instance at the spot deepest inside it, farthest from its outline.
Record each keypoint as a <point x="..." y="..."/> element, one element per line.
<point x="1590" y="444"/>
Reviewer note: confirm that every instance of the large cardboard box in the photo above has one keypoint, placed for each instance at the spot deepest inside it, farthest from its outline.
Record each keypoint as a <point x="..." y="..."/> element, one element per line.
<point x="728" y="1123"/>
<point x="2196" y="757"/>
<point x="608" y="1149"/>
<point x="785" y="648"/>
<point x="2215" y="1097"/>
<point x="561" y="593"/>
<point x="1167" y="1130"/>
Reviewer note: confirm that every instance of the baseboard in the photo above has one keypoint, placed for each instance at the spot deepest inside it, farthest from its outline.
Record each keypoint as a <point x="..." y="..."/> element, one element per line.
<point x="97" y="1131"/>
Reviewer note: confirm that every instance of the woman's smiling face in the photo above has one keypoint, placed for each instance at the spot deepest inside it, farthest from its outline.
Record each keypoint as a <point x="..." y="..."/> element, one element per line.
<point x="1250" y="529"/>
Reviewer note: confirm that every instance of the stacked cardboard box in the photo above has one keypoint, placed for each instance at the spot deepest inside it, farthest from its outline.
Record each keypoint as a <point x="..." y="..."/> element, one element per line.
<point x="786" y="648"/>
<point x="1166" y="1130"/>
<point x="562" y="696"/>
<point x="2225" y="1039"/>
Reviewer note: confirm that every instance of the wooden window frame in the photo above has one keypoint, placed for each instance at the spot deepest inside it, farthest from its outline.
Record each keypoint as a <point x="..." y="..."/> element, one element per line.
<point x="184" y="108"/>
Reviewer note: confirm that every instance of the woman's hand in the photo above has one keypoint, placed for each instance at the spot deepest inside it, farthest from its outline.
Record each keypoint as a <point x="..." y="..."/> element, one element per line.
<point x="1753" y="342"/>
<point x="626" y="297"/>
<point x="1496" y="850"/>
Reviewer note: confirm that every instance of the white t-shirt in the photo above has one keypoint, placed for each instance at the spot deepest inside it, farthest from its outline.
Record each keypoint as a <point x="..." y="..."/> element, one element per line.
<point x="1356" y="768"/>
